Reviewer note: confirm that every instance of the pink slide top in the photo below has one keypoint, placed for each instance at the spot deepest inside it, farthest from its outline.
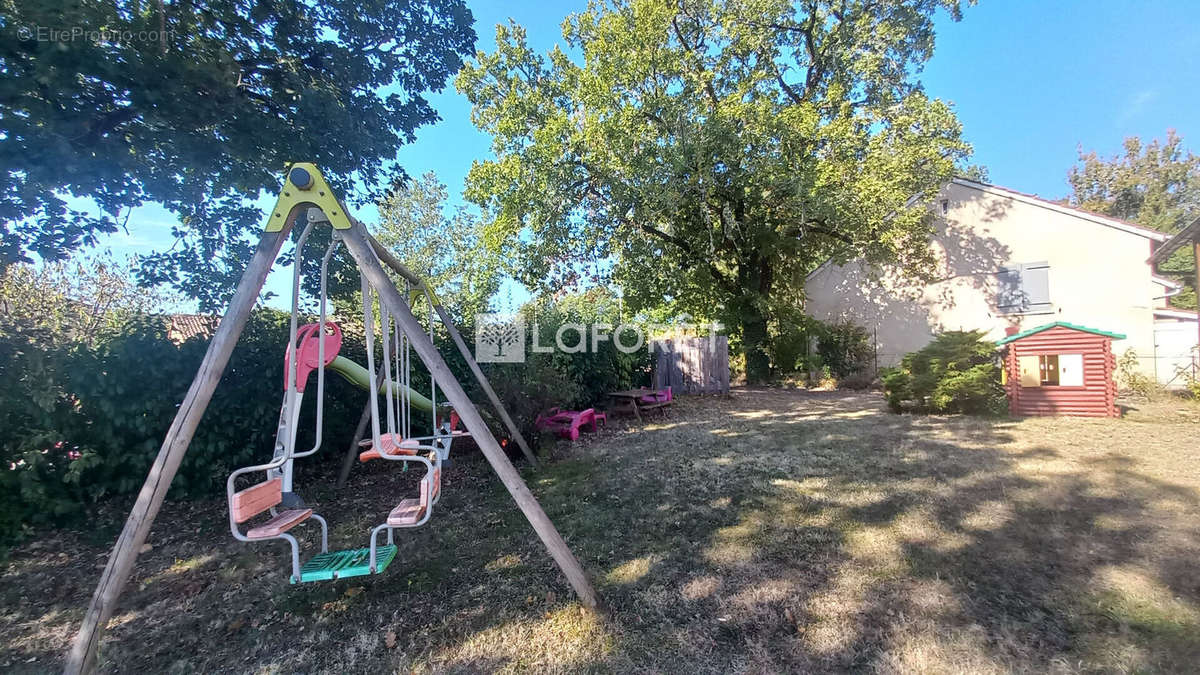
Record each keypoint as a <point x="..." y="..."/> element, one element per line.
<point x="310" y="351"/>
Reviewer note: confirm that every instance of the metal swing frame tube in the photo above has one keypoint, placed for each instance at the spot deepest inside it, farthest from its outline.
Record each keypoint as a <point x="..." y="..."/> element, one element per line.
<point x="357" y="243"/>
<point x="291" y="412"/>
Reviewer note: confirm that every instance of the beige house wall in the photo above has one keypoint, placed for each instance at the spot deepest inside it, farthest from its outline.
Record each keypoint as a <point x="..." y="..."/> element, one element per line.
<point x="1098" y="277"/>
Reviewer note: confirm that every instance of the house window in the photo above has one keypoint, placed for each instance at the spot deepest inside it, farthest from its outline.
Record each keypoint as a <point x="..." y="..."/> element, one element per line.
<point x="1024" y="288"/>
<point x="1051" y="370"/>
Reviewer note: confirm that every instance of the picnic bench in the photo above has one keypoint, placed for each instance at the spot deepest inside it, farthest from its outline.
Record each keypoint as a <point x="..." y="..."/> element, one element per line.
<point x="637" y="400"/>
<point x="568" y="423"/>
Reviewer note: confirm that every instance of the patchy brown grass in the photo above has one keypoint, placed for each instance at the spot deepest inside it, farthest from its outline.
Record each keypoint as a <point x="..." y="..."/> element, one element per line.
<point x="770" y="531"/>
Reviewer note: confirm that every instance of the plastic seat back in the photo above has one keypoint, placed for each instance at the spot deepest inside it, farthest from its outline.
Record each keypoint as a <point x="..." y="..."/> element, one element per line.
<point x="255" y="499"/>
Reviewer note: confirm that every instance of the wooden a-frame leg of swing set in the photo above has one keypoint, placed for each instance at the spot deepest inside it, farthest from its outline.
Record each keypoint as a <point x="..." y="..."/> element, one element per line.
<point x="385" y="256"/>
<point x="359" y="433"/>
<point x="357" y="243"/>
<point x="82" y="656"/>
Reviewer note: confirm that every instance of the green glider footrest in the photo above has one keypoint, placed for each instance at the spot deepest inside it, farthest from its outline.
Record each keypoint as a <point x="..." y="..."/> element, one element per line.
<point x="342" y="564"/>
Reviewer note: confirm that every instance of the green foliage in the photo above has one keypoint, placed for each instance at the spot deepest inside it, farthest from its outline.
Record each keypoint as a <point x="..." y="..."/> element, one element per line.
<point x="1155" y="184"/>
<point x="1131" y="379"/>
<point x="75" y="302"/>
<point x="716" y="151"/>
<point x="448" y="252"/>
<point x="594" y="372"/>
<point x="84" y="423"/>
<point x="843" y="348"/>
<point x="956" y="373"/>
<point x="1189" y="378"/>
<point x="33" y="403"/>
<point x="1193" y="387"/>
<point x="49" y="317"/>
<point x="198" y="106"/>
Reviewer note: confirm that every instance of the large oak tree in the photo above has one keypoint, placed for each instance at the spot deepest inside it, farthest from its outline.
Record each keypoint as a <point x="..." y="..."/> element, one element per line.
<point x="1155" y="184"/>
<point x="714" y="151"/>
<point x="198" y="105"/>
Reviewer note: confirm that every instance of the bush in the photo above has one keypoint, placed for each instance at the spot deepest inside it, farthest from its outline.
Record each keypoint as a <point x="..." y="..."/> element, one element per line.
<point x="36" y="480"/>
<point x="84" y="423"/>
<point x="956" y="373"/>
<point x="1191" y="382"/>
<point x="1132" y="380"/>
<point x="860" y="380"/>
<point x="845" y="348"/>
<point x="527" y="389"/>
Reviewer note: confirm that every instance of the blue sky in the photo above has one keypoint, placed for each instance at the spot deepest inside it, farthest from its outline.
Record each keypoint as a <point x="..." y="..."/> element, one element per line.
<point x="1030" y="81"/>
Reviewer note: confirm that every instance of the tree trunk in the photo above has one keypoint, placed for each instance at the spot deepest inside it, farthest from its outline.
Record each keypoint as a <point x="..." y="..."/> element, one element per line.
<point x="754" y="345"/>
<point x="754" y="276"/>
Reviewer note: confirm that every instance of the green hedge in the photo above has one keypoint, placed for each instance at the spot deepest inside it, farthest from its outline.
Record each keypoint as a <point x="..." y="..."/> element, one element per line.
<point x="85" y="423"/>
<point x="843" y="348"/>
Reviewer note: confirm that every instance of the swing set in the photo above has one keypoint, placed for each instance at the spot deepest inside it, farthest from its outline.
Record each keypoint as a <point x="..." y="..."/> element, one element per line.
<point x="315" y="347"/>
<point x="311" y="348"/>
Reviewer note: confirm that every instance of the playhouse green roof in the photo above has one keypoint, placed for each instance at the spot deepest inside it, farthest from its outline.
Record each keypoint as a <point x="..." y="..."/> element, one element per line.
<point x="1064" y="324"/>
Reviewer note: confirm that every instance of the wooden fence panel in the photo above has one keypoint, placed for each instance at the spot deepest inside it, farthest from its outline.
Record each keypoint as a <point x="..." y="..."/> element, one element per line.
<point x="692" y="365"/>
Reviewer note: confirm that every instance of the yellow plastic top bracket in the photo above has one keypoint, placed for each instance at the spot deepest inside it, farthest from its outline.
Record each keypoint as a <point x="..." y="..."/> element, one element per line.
<point x="417" y="296"/>
<point x="304" y="184"/>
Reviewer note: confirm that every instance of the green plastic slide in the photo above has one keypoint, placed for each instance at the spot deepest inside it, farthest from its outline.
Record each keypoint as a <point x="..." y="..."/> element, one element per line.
<point x="359" y="377"/>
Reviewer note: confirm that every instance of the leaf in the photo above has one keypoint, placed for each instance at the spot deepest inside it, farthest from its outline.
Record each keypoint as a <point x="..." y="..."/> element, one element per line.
<point x="389" y="639"/>
<point x="354" y="591"/>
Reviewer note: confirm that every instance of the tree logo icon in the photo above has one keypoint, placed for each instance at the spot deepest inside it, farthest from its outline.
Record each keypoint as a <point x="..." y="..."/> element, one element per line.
<point x="499" y="338"/>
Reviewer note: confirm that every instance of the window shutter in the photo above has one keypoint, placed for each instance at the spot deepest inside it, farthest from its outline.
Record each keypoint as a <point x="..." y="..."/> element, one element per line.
<point x="1023" y="288"/>
<point x="1008" y="293"/>
<point x="1031" y="375"/>
<point x="1035" y="286"/>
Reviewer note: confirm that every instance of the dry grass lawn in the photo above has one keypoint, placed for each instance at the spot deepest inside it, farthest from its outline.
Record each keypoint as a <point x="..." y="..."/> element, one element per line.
<point x="769" y="531"/>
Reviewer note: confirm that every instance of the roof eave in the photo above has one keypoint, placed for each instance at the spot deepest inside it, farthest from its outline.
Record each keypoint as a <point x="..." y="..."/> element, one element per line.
<point x="1132" y="228"/>
<point x="1057" y="324"/>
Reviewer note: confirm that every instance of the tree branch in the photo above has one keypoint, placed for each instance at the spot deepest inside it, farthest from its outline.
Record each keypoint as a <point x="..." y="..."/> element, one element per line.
<point x="687" y="249"/>
<point x="708" y="88"/>
<point x="817" y="226"/>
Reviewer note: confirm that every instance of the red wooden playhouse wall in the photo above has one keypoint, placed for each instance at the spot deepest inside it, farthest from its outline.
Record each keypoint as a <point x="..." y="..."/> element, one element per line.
<point x="1098" y="395"/>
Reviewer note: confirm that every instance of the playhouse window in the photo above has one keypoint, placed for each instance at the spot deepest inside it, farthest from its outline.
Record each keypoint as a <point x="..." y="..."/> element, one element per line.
<point x="1052" y="370"/>
<point x="1048" y="369"/>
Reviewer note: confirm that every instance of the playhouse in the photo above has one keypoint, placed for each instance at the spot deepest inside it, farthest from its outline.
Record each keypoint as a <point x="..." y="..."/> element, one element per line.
<point x="1060" y="369"/>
